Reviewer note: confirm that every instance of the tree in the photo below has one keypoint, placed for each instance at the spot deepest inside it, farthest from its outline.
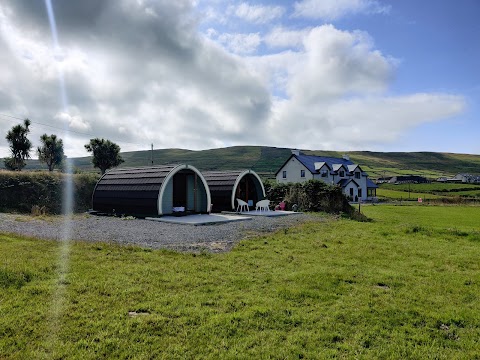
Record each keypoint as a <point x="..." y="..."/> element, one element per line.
<point x="106" y="154"/>
<point x="51" y="151"/>
<point x="19" y="146"/>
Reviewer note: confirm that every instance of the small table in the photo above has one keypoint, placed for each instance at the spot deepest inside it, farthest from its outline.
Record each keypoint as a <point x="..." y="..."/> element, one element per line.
<point x="179" y="211"/>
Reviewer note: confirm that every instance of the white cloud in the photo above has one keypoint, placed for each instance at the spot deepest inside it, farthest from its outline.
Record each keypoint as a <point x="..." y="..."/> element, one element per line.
<point x="240" y="43"/>
<point x="73" y="119"/>
<point x="330" y="10"/>
<point x="152" y="78"/>
<point x="141" y="74"/>
<point x="383" y="119"/>
<point x="338" y="63"/>
<point x="360" y="122"/>
<point x="259" y="14"/>
<point x="212" y="15"/>
<point x="284" y="38"/>
<point x="336" y="98"/>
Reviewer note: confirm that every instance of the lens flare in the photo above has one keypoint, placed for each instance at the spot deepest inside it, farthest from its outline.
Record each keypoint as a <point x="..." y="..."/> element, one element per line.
<point x="67" y="198"/>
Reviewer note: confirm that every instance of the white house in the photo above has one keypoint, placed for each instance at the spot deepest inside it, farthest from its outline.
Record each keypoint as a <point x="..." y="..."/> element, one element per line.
<point x="336" y="171"/>
<point x="467" y="178"/>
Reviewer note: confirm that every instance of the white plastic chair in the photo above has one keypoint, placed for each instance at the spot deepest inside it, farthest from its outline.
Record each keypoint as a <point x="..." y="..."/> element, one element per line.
<point x="242" y="205"/>
<point x="263" y="205"/>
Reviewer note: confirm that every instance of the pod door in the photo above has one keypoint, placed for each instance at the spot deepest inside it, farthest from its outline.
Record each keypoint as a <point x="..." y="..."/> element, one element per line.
<point x="249" y="190"/>
<point x="189" y="192"/>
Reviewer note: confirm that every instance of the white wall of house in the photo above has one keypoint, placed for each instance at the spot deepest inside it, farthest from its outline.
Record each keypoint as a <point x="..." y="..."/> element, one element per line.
<point x="342" y="173"/>
<point x="362" y="182"/>
<point x="294" y="170"/>
<point x="320" y="176"/>
<point x="351" y="190"/>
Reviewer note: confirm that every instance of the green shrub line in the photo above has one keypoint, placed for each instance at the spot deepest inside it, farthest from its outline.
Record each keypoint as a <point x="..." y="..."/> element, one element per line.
<point x="25" y="191"/>
<point x="311" y="196"/>
<point x="22" y="191"/>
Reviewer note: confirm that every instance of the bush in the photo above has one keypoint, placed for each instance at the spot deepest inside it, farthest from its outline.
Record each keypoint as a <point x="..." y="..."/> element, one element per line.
<point x="22" y="191"/>
<point x="313" y="195"/>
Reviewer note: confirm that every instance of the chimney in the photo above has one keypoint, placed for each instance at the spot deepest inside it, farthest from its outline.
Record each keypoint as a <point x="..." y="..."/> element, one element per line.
<point x="346" y="157"/>
<point x="295" y="152"/>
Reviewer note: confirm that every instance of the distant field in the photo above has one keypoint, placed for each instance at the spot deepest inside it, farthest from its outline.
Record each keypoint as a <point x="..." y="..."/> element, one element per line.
<point x="433" y="187"/>
<point x="405" y="285"/>
<point x="379" y="172"/>
<point x="404" y="195"/>
<point x="471" y="193"/>
<point x="432" y="190"/>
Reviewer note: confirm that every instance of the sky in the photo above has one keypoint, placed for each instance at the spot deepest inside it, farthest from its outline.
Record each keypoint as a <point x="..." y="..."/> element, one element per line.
<point x="377" y="75"/>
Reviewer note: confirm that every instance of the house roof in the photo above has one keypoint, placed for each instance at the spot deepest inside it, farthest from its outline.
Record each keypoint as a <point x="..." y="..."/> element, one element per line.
<point x="309" y="161"/>
<point x="319" y="165"/>
<point x="337" y="167"/>
<point x="353" y="167"/>
<point x="345" y="182"/>
<point x="371" y="184"/>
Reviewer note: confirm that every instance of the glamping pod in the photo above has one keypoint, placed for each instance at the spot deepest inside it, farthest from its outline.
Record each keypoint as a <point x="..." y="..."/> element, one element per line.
<point x="227" y="186"/>
<point x="152" y="191"/>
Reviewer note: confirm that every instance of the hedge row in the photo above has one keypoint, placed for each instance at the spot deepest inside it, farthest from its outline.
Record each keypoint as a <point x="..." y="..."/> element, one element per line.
<point x="22" y="191"/>
<point x="312" y="195"/>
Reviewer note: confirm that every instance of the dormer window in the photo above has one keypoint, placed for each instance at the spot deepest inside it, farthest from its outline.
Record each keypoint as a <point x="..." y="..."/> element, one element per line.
<point x="324" y="173"/>
<point x="357" y="174"/>
<point x="342" y="173"/>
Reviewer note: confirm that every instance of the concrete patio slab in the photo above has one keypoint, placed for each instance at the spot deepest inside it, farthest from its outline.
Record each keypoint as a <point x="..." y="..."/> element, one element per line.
<point x="270" y="213"/>
<point x="200" y="219"/>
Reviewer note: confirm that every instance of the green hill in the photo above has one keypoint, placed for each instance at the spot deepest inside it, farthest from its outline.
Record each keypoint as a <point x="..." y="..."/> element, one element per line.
<point x="429" y="164"/>
<point x="267" y="160"/>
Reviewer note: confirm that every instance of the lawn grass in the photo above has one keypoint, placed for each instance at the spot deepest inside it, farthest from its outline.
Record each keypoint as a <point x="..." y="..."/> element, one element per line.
<point x="405" y="285"/>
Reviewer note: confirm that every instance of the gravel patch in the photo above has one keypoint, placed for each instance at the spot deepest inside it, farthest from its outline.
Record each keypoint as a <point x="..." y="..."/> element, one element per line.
<point x="146" y="233"/>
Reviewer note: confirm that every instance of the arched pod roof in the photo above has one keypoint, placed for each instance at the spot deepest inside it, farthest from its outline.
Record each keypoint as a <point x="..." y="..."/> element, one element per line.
<point x="223" y="187"/>
<point x="139" y="191"/>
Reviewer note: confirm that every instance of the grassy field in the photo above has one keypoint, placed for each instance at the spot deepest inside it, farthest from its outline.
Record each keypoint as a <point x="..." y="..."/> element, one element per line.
<point x="428" y="191"/>
<point x="434" y="187"/>
<point x="405" y="285"/>
<point x="403" y="195"/>
<point x="379" y="172"/>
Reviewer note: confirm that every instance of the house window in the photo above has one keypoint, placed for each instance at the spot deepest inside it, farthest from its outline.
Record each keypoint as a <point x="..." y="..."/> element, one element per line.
<point x="359" y="192"/>
<point x="342" y="173"/>
<point x="357" y="175"/>
<point x="351" y="192"/>
<point x="302" y="173"/>
<point x="324" y="174"/>
<point x="284" y="174"/>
